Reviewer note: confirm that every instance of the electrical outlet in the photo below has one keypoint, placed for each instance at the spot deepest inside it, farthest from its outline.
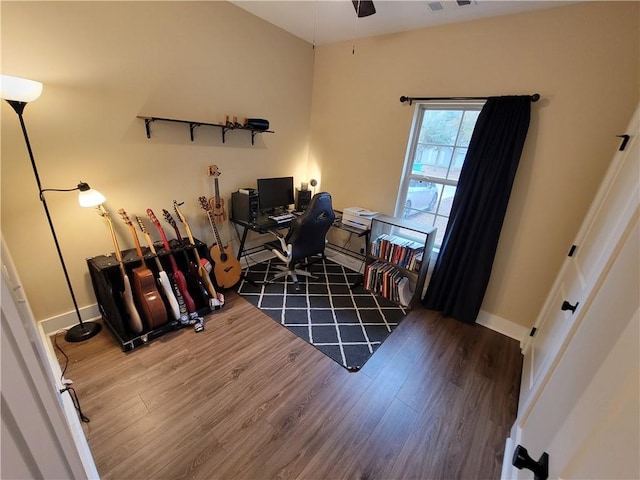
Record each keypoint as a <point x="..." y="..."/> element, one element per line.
<point x="211" y="170"/>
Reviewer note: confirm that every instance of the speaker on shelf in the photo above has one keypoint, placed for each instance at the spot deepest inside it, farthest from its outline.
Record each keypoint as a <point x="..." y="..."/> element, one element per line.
<point x="303" y="198"/>
<point x="244" y="206"/>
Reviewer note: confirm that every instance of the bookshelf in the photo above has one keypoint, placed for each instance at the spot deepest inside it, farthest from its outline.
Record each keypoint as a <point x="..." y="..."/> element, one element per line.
<point x="397" y="258"/>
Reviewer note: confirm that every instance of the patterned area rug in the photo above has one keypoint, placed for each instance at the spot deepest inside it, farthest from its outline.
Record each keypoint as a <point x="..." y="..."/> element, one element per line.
<point x="346" y="324"/>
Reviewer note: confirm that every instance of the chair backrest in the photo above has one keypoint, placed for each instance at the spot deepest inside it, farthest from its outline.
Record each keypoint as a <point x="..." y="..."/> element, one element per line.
<point x="307" y="234"/>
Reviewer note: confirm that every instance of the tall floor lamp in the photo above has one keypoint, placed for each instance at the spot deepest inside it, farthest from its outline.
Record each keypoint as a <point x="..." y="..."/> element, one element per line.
<point x="18" y="92"/>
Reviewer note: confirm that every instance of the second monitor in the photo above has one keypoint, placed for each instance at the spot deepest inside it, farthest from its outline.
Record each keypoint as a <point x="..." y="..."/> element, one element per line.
<point x="275" y="194"/>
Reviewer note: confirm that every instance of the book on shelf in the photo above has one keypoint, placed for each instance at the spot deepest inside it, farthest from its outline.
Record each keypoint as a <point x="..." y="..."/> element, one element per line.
<point x="385" y="279"/>
<point x="403" y="252"/>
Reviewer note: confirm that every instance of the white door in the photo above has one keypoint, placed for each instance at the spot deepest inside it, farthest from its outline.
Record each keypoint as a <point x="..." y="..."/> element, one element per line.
<point x="599" y="283"/>
<point x="41" y="433"/>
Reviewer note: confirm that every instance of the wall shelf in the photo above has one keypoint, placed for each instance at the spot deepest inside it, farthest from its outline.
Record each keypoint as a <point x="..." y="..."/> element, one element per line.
<point x="224" y="128"/>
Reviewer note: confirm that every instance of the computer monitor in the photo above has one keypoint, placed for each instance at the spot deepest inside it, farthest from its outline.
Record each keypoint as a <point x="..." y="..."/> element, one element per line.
<point x="275" y="193"/>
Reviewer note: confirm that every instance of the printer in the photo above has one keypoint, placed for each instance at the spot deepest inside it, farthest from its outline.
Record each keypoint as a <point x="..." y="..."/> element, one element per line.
<point x="358" y="217"/>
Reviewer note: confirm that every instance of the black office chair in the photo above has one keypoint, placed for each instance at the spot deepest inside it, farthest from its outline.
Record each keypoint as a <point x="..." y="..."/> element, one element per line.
<point x="306" y="237"/>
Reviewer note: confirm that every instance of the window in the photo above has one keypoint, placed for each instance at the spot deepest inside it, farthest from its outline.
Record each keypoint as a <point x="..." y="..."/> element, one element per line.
<point x="438" y="144"/>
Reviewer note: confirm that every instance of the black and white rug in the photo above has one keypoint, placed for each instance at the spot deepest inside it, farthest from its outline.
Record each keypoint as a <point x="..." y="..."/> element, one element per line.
<point x="347" y="324"/>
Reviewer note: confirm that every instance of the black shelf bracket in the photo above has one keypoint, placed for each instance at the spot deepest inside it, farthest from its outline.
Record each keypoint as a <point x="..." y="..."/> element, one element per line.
<point x="194" y="125"/>
<point x="192" y="128"/>
<point x="224" y="131"/>
<point x="147" y="123"/>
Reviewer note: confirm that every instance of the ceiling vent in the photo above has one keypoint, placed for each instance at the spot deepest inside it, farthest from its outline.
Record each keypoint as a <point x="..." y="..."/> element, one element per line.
<point x="450" y="5"/>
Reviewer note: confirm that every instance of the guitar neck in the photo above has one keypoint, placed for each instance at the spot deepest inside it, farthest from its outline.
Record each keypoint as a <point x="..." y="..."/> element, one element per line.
<point x="214" y="228"/>
<point x="114" y="239"/>
<point x="212" y="221"/>
<point x="136" y="241"/>
<point x="215" y="181"/>
<point x="190" y="236"/>
<point x="163" y="237"/>
<point x="153" y="250"/>
<point x="187" y="229"/>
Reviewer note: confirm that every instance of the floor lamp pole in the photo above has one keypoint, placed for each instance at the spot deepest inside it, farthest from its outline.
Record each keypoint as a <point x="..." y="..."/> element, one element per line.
<point x="83" y="330"/>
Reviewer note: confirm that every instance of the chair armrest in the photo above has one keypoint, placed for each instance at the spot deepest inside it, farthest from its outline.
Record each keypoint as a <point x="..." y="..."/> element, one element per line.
<point x="280" y="237"/>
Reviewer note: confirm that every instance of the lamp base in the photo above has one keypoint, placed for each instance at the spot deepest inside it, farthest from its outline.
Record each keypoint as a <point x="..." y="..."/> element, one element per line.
<point x="82" y="331"/>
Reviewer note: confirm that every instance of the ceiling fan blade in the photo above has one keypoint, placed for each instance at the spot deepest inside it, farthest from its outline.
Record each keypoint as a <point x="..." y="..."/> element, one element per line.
<point x="364" y="8"/>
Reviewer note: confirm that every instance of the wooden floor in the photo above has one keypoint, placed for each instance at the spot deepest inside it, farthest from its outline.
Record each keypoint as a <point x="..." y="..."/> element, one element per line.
<point x="247" y="399"/>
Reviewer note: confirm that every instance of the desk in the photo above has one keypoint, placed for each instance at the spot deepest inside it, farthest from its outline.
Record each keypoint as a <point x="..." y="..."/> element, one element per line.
<point x="272" y="226"/>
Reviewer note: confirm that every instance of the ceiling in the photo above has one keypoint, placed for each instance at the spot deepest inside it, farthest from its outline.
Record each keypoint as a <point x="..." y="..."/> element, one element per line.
<point x="323" y="22"/>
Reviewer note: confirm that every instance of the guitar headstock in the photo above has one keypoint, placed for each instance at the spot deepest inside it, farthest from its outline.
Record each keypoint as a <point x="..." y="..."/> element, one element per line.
<point x="153" y="217"/>
<point x="178" y="212"/>
<point x="204" y="203"/>
<point x="102" y="211"/>
<point x="141" y="224"/>
<point x="125" y="217"/>
<point x="169" y="219"/>
<point x="213" y="171"/>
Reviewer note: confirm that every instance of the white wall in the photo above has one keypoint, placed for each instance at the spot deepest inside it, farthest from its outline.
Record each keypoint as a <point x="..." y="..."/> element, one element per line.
<point x="582" y="59"/>
<point x="104" y="63"/>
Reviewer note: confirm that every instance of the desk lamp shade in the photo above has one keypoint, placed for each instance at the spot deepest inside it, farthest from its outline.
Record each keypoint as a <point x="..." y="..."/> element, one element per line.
<point x="88" y="197"/>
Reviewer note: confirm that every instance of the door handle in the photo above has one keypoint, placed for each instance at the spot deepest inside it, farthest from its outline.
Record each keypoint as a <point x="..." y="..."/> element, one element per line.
<point x="567" y="306"/>
<point x="521" y="459"/>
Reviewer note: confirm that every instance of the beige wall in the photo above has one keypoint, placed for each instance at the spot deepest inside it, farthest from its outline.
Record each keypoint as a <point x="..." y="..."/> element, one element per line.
<point x="102" y="64"/>
<point x="583" y="60"/>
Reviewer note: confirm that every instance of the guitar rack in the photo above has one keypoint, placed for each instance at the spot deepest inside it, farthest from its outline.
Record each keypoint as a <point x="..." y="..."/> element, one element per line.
<point x="107" y="283"/>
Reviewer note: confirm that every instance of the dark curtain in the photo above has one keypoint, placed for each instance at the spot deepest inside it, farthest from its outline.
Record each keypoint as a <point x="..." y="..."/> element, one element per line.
<point x="463" y="268"/>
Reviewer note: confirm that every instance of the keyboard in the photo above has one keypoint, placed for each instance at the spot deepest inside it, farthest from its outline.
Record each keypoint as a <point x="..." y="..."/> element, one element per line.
<point x="263" y="222"/>
<point x="285" y="217"/>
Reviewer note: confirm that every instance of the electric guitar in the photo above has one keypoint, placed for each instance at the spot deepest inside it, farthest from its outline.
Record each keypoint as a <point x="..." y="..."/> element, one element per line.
<point x="170" y="289"/>
<point x="217" y="203"/>
<point x="144" y="284"/>
<point x="197" y="288"/>
<point x="204" y="267"/>
<point x="178" y="276"/>
<point x="135" y="323"/>
<point x="227" y="268"/>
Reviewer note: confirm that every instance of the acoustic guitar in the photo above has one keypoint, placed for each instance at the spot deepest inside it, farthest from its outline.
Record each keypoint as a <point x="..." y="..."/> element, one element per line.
<point x="170" y="289"/>
<point x="135" y="322"/>
<point x="144" y="284"/>
<point x="196" y="287"/>
<point x="177" y="274"/>
<point x="227" y="268"/>
<point x="217" y="299"/>
<point x="217" y="203"/>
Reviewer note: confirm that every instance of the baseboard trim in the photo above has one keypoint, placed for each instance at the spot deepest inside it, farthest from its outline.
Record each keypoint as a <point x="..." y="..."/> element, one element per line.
<point x="67" y="320"/>
<point x="51" y="325"/>
<point x="92" y="312"/>
<point x="502" y="325"/>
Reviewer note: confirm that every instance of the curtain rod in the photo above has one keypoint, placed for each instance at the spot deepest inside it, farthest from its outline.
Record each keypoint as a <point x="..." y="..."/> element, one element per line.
<point x="534" y="98"/>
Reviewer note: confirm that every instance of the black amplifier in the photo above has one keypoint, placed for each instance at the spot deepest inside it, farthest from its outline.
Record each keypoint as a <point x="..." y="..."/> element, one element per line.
<point x="245" y="206"/>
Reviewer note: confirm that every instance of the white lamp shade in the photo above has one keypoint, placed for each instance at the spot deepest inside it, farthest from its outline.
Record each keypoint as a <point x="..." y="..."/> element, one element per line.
<point x="90" y="198"/>
<point x="19" y="89"/>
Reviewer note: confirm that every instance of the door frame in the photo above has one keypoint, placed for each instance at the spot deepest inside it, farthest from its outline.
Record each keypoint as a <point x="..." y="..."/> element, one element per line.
<point x="533" y="388"/>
